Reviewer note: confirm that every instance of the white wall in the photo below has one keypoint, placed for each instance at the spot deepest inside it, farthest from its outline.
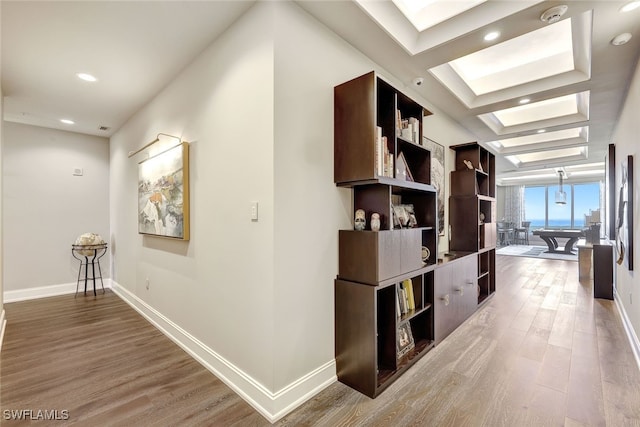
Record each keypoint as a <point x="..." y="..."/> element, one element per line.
<point x="45" y="207"/>
<point x="626" y="141"/>
<point x="216" y="290"/>
<point x="253" y="301"/>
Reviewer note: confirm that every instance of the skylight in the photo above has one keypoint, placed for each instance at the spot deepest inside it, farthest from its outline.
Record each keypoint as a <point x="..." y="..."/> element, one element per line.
<point x="425" y="14"/>
<point x="543" y="110"/>
<point x="542" y="141"/>
<point x="542" y="53"/>
<point x="549" y="157"/>
<point x="549" y="57"/>
<point x="551" y="112"/>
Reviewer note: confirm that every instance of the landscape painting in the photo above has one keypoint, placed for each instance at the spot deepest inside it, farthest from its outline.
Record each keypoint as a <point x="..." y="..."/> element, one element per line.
<point x="163" y="194"/>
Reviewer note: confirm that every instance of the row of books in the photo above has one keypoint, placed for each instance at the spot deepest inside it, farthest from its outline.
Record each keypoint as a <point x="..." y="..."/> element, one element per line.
<point x="408" y="129"/>
<point x="406" y="301"/>
<point x="384" y="159"/>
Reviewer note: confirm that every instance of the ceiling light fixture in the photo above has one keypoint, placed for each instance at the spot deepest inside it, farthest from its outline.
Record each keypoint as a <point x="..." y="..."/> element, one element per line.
<point x="491" y="36"/>
<point x="542" y="130"/>
<point x="630" y="6"/>
<point x="86" y="77"/>
<point x="553" y="15"/>
<point x="524" y="101"/>
<point x="621" y="39"/>
<point x="67" y="121"/>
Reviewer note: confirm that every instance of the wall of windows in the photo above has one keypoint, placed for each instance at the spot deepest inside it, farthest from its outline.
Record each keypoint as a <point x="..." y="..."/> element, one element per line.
<point x="541" y="209"/>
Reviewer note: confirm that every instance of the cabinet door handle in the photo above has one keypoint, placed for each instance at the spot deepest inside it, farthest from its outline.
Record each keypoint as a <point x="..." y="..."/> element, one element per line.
<point x="460" y="291"/>
<point x="445" y="299"/>
<point x="469" y="281"/>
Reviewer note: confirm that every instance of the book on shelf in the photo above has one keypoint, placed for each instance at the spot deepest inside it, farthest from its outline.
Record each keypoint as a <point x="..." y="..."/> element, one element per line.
<point x="415" y="129"/>
<point x="379" y="152"/>
<point x="407" y="285"/>
<point x="402" y="299"/>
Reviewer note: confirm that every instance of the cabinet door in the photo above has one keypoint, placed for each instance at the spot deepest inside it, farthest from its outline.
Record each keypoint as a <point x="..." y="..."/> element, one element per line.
<point x="410" y="249"/>
<point x="466" y="286"/>
<point x="444" y="307"/>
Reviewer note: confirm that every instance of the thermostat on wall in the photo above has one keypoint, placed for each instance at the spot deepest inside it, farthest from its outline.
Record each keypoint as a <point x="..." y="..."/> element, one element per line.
<point x="77" y="172"/>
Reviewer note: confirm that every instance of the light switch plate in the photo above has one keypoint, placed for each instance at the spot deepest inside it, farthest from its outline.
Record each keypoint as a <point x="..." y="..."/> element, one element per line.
<point x="254" y="211"/>
<point x="78" y="172"/>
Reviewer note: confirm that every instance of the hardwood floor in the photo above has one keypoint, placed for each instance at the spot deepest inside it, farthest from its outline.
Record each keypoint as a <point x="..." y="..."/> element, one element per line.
<point x="542" y="352"/>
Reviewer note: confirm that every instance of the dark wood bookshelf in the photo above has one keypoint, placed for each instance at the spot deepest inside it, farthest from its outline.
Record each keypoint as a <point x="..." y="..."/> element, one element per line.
<point x="376" y="127"/>
<point x="474" y="190"/>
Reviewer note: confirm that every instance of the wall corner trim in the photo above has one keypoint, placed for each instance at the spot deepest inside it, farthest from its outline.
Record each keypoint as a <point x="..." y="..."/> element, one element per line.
<point x="3" y="326"/>
<point x="271" y="405"/>
<point x="628" y="328"/>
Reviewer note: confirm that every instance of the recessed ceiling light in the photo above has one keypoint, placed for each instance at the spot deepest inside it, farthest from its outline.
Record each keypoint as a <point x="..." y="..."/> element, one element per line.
<point x="621" y="39"/>
<point x="630" y="6"/>
<point x="491" y="36"/>
<point x="542" y="130"/>
<point x="525" y="100"/>
<point x="86" y="77"/>
<point x="67" y="121"/>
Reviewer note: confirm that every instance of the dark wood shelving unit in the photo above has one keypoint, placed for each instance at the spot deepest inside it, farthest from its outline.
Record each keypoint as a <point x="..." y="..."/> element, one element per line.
<point x="474" y="190"/>
<point x="377" y="132"/>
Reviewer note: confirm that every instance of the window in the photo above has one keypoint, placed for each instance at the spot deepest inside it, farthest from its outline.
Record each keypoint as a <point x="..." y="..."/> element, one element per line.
<point x="582" y="207"/>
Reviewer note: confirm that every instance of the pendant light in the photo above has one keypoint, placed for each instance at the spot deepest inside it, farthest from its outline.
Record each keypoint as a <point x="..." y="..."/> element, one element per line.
<point x="561" y="196"/>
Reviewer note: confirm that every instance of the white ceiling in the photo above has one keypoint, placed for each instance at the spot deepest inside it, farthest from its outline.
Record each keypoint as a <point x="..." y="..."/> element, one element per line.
<point x="135" y="48"/>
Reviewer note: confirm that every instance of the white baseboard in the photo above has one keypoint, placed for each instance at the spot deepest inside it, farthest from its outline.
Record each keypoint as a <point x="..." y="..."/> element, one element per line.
<point x="628" y="328"/>
<point x="3" y="325"/>
<point x="48" y="291"/>
<point x="271" y="405"/>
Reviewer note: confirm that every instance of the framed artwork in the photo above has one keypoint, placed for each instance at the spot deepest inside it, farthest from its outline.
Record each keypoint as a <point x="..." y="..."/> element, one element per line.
<point x="437" y="177"/>
<point x="404" y="340"/>
<point x="624" y="219"/>
<point x="163" y="194"/>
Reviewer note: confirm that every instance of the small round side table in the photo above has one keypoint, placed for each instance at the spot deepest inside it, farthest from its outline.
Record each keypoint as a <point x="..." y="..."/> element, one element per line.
<point x="89" y="255"/>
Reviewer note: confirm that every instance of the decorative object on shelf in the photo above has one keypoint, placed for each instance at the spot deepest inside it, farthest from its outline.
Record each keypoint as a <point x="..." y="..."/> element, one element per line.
<point x="405" y="216"/>
<point x="402" y="169"/>
<point x="468" y="164"/>
<point x="360" y="220"/>
<point x="404" y="341"/>
<point x="426" y="253"/>
<point x="375" y="221"/>
<point x="163" y="194"/>
<point x="437" y="177"/>
<point x="481" y="218"/>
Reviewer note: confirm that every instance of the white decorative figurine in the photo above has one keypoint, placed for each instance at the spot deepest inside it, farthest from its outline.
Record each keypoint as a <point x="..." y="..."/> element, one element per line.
<point x="375" y="221"/>
<point x="360" y="221"/>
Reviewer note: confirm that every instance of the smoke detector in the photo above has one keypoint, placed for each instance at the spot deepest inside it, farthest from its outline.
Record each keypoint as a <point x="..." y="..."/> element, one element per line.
<point x="621" y="39"/>
<point x="553" y="14"/>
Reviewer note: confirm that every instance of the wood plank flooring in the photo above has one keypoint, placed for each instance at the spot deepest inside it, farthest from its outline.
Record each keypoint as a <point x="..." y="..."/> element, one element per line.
<point x="542" y="352"/>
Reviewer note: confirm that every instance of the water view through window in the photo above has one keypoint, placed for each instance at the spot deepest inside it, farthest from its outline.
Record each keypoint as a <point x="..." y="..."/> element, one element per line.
<point x="540" y="207"/>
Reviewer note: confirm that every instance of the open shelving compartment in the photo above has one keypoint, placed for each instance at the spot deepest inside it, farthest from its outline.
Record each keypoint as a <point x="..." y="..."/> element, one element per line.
<point x="418" y="321"/>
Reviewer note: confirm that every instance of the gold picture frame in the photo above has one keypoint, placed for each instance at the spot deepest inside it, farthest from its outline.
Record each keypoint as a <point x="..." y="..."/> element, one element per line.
<point x="163" y="194"/>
